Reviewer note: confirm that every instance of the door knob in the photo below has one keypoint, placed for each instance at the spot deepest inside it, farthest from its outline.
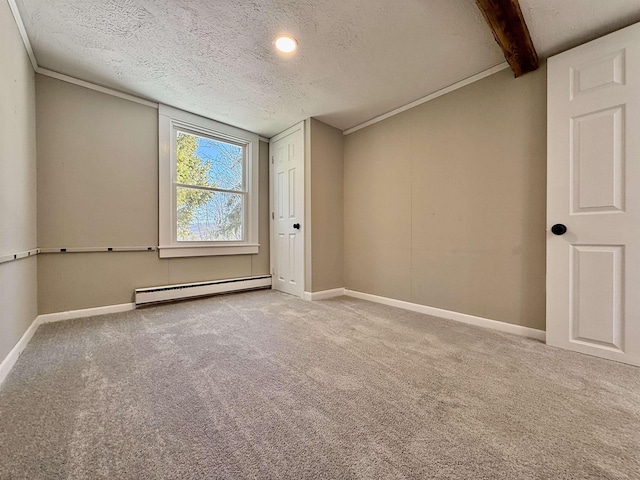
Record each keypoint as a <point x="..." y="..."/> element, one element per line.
<point x="559" y="229"/>
<point x="296" y="225"/>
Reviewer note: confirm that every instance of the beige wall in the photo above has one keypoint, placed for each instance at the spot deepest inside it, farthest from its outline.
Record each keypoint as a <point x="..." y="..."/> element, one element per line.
<point x="445" y="203"/>
<point x="17" y="184"/>
<point x="326" y="206"/>
<point x="98" y="187"/>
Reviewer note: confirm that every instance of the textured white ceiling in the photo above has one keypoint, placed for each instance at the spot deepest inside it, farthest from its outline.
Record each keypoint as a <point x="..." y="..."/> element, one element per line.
<point x="357" y="58"/>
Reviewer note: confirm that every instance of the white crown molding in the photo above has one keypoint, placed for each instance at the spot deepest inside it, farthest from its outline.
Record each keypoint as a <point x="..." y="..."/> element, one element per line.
<point x="69" y="79"/>
<point x="109" y="91"/>
<point x="450" y="315"/>
<point x="66" y="78"/>
<point x="434" y="95"/>
<point x="60" y="76"/>
<point x="23" y="33"/>
<point x="97" y="88"/>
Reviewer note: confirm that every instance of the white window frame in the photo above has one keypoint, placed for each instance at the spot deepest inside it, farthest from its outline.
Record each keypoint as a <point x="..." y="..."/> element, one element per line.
<point x="169" y="120"/>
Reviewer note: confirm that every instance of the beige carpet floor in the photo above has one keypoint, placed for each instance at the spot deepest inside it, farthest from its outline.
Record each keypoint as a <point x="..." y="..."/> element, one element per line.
<point x="263" y="385"/>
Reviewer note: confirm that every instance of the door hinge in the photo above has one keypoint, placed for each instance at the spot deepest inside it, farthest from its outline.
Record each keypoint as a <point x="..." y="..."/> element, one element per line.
<point x="272" y="216"/>
<point x="271" y="158"/>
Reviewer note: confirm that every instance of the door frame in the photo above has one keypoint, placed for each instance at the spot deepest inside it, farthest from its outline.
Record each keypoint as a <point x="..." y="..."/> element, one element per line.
<point x="272" y="240"/>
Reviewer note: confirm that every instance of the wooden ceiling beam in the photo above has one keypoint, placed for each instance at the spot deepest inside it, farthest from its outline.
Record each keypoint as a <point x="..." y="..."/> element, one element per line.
<point x="510" y="31"/>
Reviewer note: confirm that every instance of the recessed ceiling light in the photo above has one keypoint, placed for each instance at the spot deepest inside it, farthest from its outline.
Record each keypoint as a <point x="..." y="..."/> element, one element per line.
<point x="286" y="43"/>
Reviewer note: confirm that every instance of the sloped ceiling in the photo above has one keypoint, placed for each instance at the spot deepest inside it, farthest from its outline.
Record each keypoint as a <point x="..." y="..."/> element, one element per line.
<point x="357" y="59"/>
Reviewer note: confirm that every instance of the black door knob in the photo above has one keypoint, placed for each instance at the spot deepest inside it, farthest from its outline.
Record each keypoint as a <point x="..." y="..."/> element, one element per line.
<point x="559" y="229"/>
<point x="296" y="225"/>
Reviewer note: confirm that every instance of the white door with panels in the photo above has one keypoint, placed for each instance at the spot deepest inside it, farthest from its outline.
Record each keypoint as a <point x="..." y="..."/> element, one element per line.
<point x="286" y="151"/>
<point x="593" y="198"/>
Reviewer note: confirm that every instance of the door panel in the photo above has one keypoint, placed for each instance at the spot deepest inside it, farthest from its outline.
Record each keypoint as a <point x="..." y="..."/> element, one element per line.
<point x="288" y="193"/>
<point x="593" y="167"/>
<point x="596" y="287"/>
<point x="292" y="193"/>
<point x="598" y="72"/>
<point x="597" y="164"/>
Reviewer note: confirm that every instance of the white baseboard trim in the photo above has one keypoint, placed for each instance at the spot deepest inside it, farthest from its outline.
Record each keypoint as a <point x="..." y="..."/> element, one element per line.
<point x="324" y="294"/>
<point x="11" y="359"/>
<point x="8" y="363"/>
<point x="448" y="314"/>
<point x="86" y="312"/>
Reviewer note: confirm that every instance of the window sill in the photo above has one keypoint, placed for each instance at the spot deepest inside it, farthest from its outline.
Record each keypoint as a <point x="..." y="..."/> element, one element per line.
<point x="176" y="251"/>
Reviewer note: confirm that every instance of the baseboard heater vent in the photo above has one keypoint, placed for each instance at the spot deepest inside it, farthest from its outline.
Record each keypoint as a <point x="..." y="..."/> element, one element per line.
<point x="200" y="289"/>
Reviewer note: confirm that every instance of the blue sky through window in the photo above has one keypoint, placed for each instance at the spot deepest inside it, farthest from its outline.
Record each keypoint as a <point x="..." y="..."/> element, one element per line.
<point x="225" y="160"/>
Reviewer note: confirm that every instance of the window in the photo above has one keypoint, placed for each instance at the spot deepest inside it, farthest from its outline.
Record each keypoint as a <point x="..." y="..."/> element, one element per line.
<point x="208" y="187"/>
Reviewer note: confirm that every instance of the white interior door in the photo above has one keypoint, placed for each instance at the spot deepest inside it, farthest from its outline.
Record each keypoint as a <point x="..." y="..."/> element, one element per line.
<point x="593" y="188"/>
<point x="287" y="187"/>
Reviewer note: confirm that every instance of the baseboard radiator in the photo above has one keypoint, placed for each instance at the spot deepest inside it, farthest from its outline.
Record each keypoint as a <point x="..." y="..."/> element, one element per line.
<point x="189" y="290"/>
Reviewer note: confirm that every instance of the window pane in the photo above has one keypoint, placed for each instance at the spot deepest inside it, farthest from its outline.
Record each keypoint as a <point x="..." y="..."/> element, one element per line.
<point x="209" y="163"/>
<point x="205" y="216"/>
